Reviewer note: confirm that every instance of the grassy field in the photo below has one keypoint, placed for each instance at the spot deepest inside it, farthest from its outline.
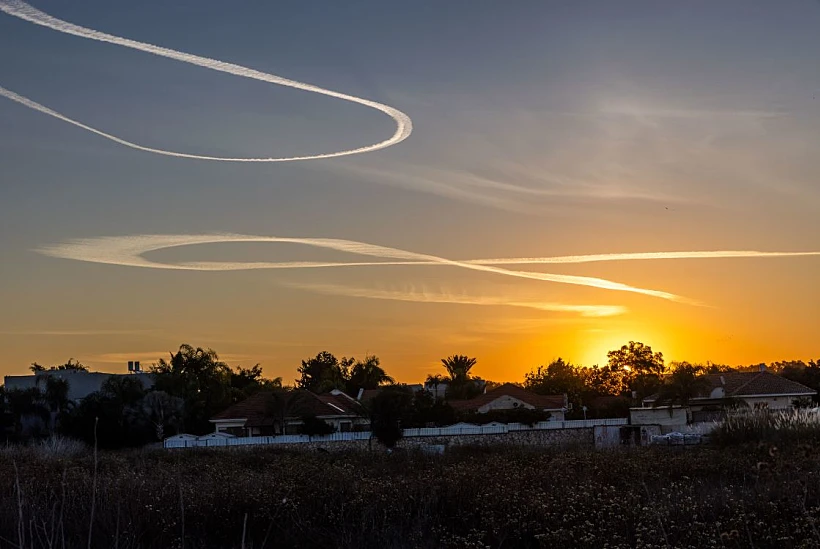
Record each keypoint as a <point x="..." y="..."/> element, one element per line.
<point x="746" y="496"/>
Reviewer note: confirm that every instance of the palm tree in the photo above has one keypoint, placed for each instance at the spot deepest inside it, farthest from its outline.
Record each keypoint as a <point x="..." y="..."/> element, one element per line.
<point x="680" y="387"/>
<point x="367" y="374"/>
<point x="460" y="385"/>
<point x="458" y="367"/>
<point x="435" y="380"/>
<point x="162" y="410"/>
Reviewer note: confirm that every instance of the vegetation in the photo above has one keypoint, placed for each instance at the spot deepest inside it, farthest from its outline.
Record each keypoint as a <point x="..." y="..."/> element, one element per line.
<point x="325" y="372"/>
<point x="747" y="496"/>
<point x="792" y="427"/>
<point x="193" y="385"/>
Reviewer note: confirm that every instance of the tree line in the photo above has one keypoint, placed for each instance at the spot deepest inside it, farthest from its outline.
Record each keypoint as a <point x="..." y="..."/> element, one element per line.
<point x="193" y="385"/>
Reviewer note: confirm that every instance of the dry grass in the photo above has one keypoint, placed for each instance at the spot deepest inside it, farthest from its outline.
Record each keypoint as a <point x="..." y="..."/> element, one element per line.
<point x="775" y="427"/>
<point x="747" y="496"/>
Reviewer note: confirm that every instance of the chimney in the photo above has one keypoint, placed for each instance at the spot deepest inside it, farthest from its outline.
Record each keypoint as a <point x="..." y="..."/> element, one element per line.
<point x="763" y="367"/>
<point x="361" y="392"/>
<point x="722" y="380"/>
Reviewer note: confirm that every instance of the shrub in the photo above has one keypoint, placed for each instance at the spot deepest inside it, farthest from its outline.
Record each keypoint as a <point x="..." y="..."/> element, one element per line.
<point x="313" y="426"/>
<point x="801" y="425"/>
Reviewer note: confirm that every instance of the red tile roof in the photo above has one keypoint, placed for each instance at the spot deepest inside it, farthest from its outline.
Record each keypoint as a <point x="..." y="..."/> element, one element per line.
<point x="260" y="409"/>
<point x="749" y="384"/>
<point x="739" y="384"/>
<point x="540" y="402"/>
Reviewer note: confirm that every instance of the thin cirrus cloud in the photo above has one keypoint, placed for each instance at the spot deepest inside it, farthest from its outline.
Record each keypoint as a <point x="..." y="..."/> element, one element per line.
<point x="425" y="296"/>
<point x="21" y="10"/>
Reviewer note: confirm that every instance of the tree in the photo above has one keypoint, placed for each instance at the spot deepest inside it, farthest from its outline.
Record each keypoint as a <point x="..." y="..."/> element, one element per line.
<point x="684" y="383"/>
<point x="70" y="365"/>
<point x="313" y="426"/>
<point x="458" y="367"/>
<point x="285" y="403"/>
<point x="434" y="380"/>
<point x="162" y="411"/>
<point x="428" y="411"/>
<point x="367" y="374"/>
<point x="56" y="399"/>
<point x="461" y="385"/>
<point x="389" y="410"/>
<point x="127" y="390"/>
<point x="324" y="373"/>
<point x="199" y="378"/>
<point x="642" y="369"/>
<point x="248" y="381"/>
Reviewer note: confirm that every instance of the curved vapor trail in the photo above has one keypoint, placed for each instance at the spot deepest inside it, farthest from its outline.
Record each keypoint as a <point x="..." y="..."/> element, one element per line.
<point x="129" y="251"/>
<point x="21" y="10"/>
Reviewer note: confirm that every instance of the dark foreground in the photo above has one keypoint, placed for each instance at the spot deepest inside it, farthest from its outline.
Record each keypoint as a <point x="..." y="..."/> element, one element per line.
<point x="754" y="496"/>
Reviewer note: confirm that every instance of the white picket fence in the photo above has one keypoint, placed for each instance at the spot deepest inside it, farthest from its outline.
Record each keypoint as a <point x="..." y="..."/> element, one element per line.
<point x="206" y="441"/>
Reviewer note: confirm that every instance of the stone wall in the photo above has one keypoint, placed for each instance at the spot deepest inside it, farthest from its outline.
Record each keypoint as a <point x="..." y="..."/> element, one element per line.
<point x="544" y="438"/>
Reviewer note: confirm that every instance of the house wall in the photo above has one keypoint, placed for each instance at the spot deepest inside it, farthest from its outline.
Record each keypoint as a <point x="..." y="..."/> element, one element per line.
<point x="543" y="438"/>
<point x="80" y="384"/>
<point x="657" y="416"/>
<point x="505" y="402"/>
<point x="773" y="403"/>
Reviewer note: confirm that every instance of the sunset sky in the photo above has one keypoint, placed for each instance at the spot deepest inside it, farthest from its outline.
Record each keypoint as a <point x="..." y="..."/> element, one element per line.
<point x="541" y="130"/>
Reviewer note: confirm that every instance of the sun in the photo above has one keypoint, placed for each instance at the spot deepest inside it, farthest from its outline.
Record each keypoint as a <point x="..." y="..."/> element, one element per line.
<point x="593" y="345"/>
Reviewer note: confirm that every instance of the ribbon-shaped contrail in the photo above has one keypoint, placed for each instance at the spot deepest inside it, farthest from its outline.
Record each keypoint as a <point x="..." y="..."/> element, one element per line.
<point x="129" y="251"/>
<point x="19" y="9"/>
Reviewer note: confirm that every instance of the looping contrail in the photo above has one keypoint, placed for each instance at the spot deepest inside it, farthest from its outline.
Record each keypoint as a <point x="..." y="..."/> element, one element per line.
<point x="21" y="10"/>
<point x="130" y="251"/>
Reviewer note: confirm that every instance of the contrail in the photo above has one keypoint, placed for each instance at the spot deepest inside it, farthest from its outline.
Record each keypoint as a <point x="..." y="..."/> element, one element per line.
<point x="21" y="10"/>
<point x="129" y="251"/>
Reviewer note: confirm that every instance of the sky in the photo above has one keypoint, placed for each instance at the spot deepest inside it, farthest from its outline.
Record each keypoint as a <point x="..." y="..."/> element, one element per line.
<point x="539" y="130"/>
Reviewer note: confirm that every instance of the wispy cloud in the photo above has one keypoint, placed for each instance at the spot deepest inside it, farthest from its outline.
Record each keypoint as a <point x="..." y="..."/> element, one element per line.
<point x="72" y="333"/>
<point x="426" y="296"/>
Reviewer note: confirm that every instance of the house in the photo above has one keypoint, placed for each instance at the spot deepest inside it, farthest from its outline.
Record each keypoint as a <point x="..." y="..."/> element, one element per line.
<point x="511" y="397"/>
<point x="282" y="412"/>
<point x="366" y="395"/>
<point x="759" y="389"/>
<point x="80" y="383"/>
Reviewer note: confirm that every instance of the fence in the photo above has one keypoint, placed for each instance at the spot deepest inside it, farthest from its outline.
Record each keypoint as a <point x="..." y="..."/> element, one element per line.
<point x="207" y="441"/>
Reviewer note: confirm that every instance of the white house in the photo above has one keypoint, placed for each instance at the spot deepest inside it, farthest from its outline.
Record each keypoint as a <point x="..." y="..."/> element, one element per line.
<point x="511" y="397"/>
<point x="269" y="413"/>
<point x="749" y="389"/>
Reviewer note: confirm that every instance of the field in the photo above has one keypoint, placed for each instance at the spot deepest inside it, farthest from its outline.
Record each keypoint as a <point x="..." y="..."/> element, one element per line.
<point x="746" y="496"/>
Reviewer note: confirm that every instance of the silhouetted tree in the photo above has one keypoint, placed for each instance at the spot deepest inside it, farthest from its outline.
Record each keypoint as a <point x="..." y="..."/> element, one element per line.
<point x="71" y="364"/>
<point x="684" y="383"/>
<point x="163" y="411"/>
<point x="389" y="410"/>
<point x="461" y="385"/>
<point x="642" y="369"/>
<point x="323" y="373"/>
<point x="248" y="381"/>
<point x="313" y="426"/>
<point x="366" y="374"/>
<point x="434" y="381"/>
<point x="285" y="403"/>
<point x="127" y="390"/>
<point x="200" y="379"/>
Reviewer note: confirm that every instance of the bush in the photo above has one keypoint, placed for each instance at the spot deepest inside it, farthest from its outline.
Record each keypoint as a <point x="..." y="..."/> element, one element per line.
<point x="745" y="426"/>
<point x="313" y="426"/>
